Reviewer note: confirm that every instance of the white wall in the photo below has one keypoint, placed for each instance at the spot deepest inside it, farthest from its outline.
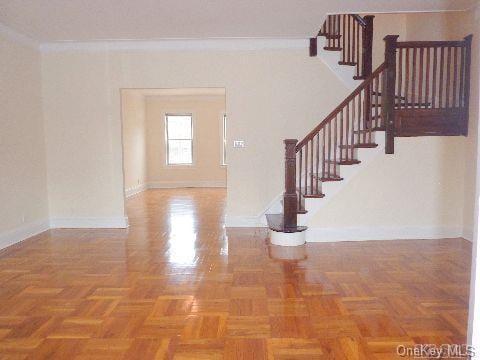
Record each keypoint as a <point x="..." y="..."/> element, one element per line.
<point x="134" y="141"/>
<point x="23" y="190"/>
<point x="207" y="169"/>
<point x="271" y="95"/>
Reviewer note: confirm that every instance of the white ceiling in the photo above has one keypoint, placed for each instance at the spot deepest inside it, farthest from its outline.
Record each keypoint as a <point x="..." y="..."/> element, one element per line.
<point x="86" y="20"/>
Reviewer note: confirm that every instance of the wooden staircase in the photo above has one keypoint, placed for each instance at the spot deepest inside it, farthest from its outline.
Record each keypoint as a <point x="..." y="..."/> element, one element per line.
<point x="421" y="89"/>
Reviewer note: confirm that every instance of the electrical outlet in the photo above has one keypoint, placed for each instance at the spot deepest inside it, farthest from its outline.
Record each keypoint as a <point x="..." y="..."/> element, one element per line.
<point x="238" y="143"/>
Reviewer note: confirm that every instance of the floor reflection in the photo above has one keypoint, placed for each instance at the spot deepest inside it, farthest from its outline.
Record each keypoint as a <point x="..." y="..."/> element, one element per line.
<point x="182" y="239"/>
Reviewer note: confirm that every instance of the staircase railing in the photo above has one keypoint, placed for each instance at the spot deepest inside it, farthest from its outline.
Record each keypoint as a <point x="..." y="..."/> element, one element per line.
<point x="353" y="36"/>
<point x="430" y="80"/>
<point x="317" y="157"/>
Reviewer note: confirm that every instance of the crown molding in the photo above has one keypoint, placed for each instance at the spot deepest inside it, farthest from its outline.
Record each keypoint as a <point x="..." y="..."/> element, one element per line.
<point x="17" y="37"/>
<point x="234" y="44"/>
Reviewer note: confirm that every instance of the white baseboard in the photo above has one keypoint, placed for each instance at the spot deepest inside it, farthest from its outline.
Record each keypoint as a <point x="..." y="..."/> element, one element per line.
<point x="22" y="232"/>
<point x="135" y="190"/>
<point x="380" y="233"/>
<point x="180" y="184"/>
<point x="120" y="222"/>
<point x="468" y="234"/>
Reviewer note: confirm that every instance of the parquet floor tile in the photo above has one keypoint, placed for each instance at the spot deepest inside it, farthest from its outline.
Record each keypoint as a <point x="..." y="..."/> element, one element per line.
<point x="177" y="285"/>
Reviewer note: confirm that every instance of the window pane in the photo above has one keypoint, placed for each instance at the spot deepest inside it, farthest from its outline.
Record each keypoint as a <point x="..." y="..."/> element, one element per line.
<point x="179" y="126"/>
<point x="179" y="151"/>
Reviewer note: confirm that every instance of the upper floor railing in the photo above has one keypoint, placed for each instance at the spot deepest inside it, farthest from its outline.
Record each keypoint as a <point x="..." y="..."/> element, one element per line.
<point x="352" y="35"/>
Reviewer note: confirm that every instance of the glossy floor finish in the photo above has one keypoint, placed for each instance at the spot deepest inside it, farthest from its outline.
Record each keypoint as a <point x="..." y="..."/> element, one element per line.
<point x="173" y="286"/>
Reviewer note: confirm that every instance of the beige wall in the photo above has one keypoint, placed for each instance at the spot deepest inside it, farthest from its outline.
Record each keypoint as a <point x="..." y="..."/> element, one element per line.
<point x="383" y="25"/>
<point x="271" y="95"/>
<point x="207" y="112"/>
<point x="23" y="190"/>
<point x="134" y="140"/>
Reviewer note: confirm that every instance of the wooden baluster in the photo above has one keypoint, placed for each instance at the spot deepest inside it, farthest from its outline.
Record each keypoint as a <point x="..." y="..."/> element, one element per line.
<point x="441" y="85"/>
<point x="323" y="153"/>
<point x="407" y="76"/>
<point x="329" y="151"/>
<point x="347" y="131"/>
<point x="388" y="92"/>
<point x="349" y="32"/>
<point x="399" y="77"/>
<point x="377" y="91"/>
<point x="317" y="161"/>
<point x="369" y="113"/>
<point x="354" y="36"/>
<point x="344" y="50"/>
<point x="420" y="79"/>
<point x="311" y="167"/>
<point x="359" y="117"/>
<point x="434" y="77"/>
<point x="427" y="81"/>
<point x="462" y="74"/>
<point x="335" y="146"/>
<point x="468" y="58"/>
<point x="290" y="206"/>
<point x="455" y="76"/>
<point x="414" y="73"/>
<point x="357" y="48"/>
<point x="341" y="134"/>
<point x="449" y="70"/>
<point x="300" y="162"/>
<point x="306" y="168"/>
<point x="352" y="140"/>
<point x="339" y="18"/>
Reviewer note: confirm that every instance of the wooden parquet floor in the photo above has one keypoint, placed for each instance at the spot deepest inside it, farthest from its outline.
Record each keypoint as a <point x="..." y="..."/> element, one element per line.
<point x="174" y="286"/>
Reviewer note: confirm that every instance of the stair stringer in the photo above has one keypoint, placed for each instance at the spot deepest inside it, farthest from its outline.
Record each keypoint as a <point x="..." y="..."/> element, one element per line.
<point x="331" y="58"/>
<point x="348" y="173"/>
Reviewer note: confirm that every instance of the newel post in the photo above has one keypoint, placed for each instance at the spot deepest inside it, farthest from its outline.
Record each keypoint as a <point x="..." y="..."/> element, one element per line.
<point x="290" y="195"/>
<point x="466" y="93"/>
<point x="367" y="45"/>
<point x="313" y="47"/>
<point x="388" y="91"/>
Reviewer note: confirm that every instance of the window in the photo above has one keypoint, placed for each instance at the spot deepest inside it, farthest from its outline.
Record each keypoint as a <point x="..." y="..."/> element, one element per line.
<point x="179" y="139"/>
<point x="224" y="136"/>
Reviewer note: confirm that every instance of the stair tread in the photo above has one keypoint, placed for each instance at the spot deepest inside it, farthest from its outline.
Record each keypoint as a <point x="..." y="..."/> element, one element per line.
<point x="275" y="223"/>
<point x="330" y="177"/>
<point x="347" y="63"/>
<point x="344" y="161"/>
<point x="308" y="193"/>
<point x="333" y="36"/>
<point x="361" y="77"/>
<point x="332" y="48"/>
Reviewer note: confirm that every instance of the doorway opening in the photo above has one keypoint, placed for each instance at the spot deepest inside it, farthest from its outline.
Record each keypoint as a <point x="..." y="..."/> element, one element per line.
<point x="175" y="141"/>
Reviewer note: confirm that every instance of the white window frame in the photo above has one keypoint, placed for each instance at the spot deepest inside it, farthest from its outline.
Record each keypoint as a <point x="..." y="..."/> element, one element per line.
<point x="167" y="138"/>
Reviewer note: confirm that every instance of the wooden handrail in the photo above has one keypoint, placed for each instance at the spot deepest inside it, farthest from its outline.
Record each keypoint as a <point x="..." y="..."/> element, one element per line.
<point x="420" y="44"/>
<point x="348" y="99"/>
<point x="359" y="19"/>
